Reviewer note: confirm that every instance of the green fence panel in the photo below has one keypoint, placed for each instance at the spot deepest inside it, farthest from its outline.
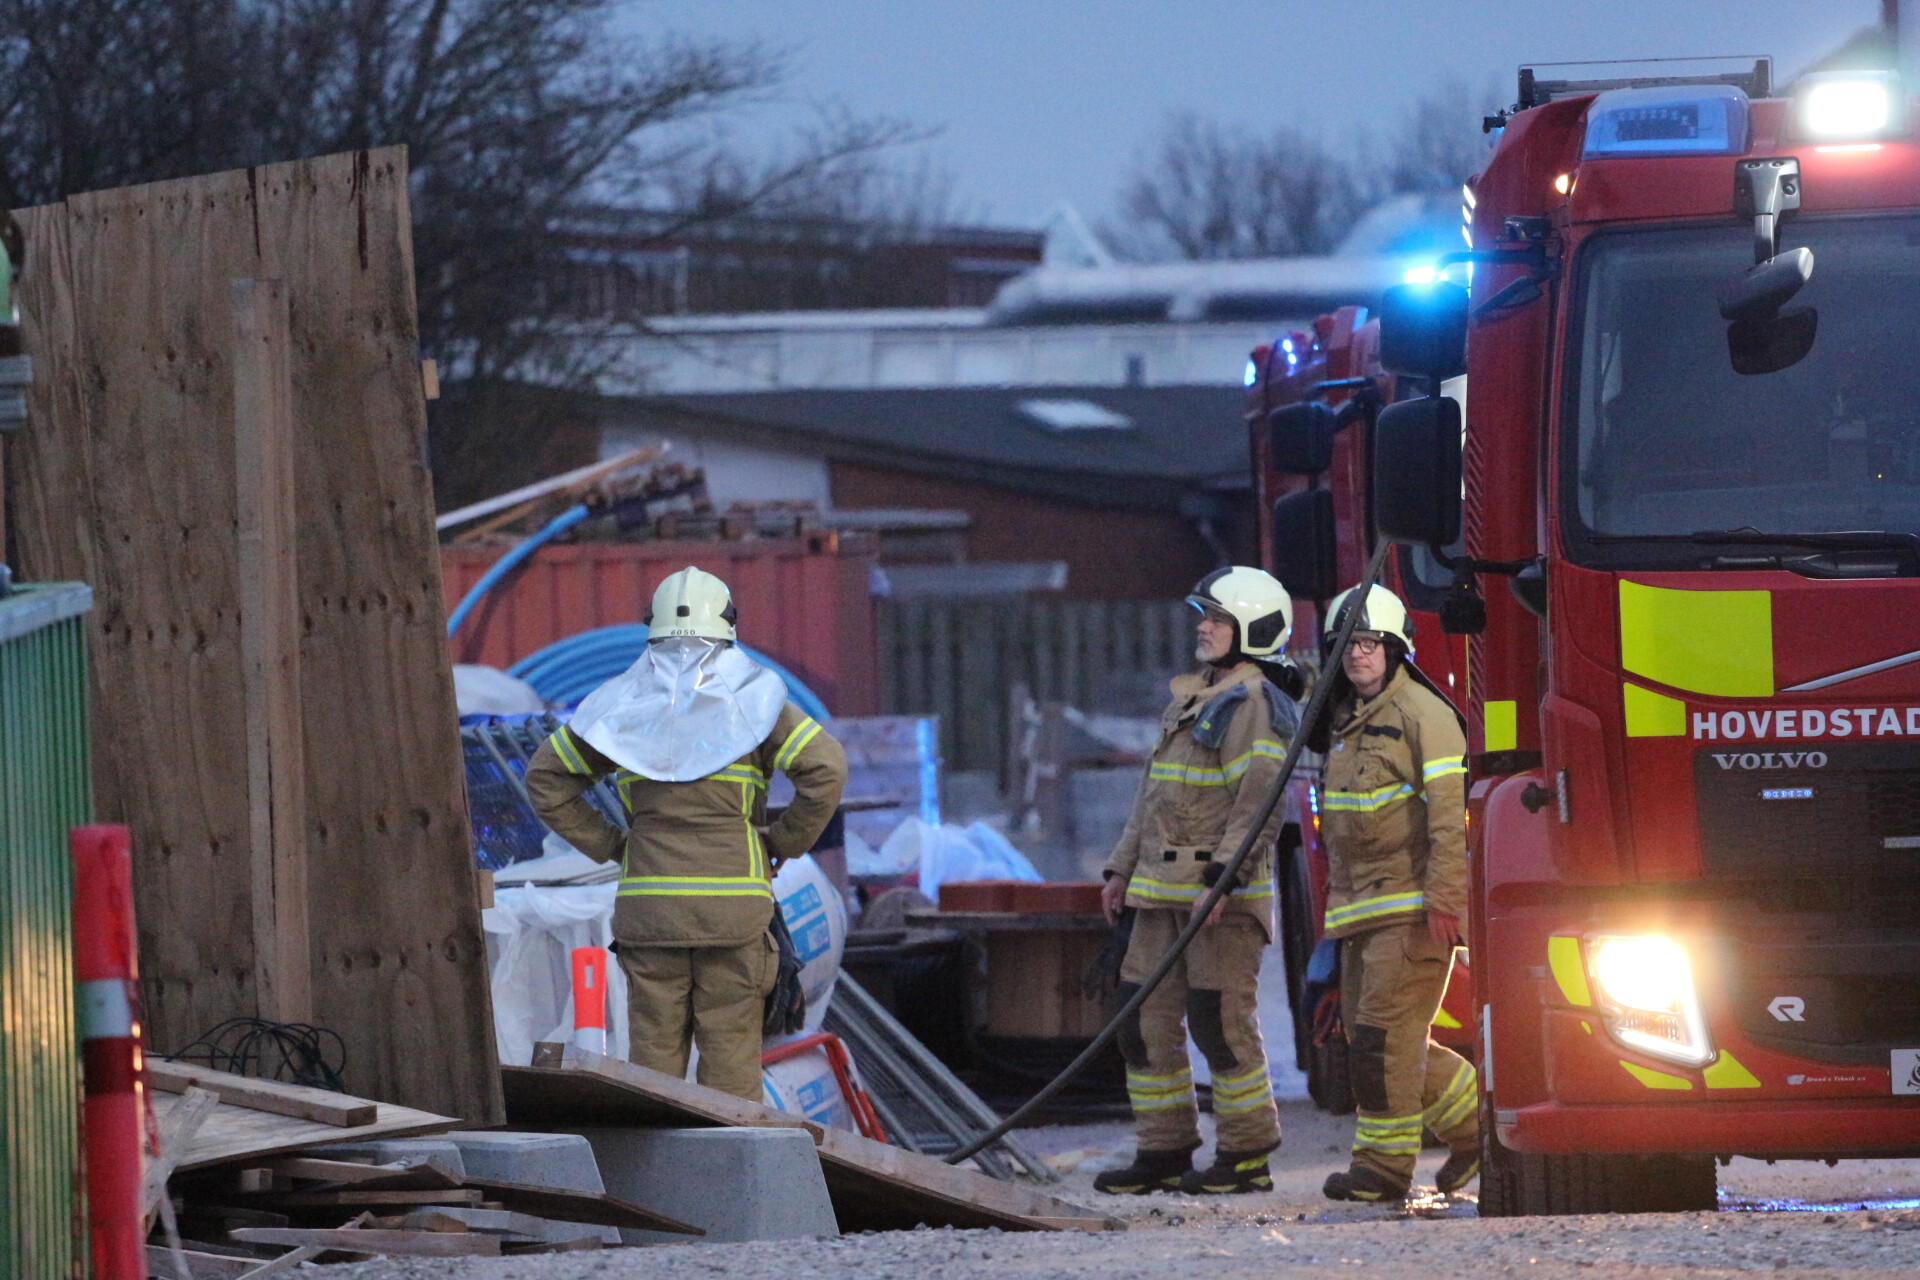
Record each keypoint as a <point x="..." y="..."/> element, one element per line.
<point x="44" y="792"/>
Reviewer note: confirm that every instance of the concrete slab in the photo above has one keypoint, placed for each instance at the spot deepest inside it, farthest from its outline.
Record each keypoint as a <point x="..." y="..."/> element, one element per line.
<point x="395" y="1151"/>
<point x="738" y="1183"/>
<point x="537" y="1159"/>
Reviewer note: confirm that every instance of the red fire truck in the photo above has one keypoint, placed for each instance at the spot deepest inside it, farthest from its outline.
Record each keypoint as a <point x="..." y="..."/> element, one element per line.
<point x="1689" y="589"/>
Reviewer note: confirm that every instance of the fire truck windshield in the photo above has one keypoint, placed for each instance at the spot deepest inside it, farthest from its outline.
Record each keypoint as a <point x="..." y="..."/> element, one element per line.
<point x="1667" y="440"/>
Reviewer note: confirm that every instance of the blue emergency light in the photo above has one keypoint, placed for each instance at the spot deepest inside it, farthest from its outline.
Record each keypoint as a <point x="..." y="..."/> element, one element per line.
<point x="1670" y="120"/>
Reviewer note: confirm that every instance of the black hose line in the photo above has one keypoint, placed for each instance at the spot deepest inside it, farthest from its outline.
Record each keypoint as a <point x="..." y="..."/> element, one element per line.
<point x="1316" y="706"/>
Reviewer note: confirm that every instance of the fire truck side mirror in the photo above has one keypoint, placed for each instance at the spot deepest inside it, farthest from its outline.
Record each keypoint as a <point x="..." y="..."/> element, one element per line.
<point x="1301" y="438"/>
<point x="1423" y="330"/>
<point x="1304" y="546"/>
<point x="1416" y="472"/>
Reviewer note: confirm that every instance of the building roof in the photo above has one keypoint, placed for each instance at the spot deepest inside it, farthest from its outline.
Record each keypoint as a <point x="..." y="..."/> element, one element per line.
<point x="1128" y="446"/>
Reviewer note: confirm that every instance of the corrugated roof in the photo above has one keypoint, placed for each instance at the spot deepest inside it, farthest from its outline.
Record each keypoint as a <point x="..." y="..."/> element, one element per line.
<point x="1180" y="438"/>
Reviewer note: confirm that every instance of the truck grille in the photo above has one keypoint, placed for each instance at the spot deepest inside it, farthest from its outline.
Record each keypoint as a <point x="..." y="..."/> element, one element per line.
<point x="1788" y="810"/>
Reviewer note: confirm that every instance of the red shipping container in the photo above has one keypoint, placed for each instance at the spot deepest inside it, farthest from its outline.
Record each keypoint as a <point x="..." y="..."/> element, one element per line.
<point x="805" y="602"/>
<point x="977" y="895"/>
<point x="1073" y="896"/>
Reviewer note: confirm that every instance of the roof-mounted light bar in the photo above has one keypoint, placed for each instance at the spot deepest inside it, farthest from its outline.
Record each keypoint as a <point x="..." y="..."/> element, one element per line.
<point x="1669" y="120"/>
<point x="1751" y="75"/>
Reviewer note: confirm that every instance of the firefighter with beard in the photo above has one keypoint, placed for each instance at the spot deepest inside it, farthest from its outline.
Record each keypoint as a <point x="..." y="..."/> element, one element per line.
<point x="1393" y="820"/>
<point x="1222" y="738"/>
<point x="691" y="733"/>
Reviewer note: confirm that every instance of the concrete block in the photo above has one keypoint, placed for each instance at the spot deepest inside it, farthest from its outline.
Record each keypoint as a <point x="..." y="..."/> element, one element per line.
<point x="739" y="1184"/>
<point x="395" y="1151"/>
<point x="537" y="1159"/>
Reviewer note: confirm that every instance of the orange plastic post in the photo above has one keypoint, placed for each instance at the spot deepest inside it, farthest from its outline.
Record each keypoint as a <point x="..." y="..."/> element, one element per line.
<point x="590" y="998"/>
<point x="106" y="972"/>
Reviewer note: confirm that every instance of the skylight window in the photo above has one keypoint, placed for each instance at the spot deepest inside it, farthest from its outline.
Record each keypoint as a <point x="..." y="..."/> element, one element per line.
<point x="1073" y="415"/>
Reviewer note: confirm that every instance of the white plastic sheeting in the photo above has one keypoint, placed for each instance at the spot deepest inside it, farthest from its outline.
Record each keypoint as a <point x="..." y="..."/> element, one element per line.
<point x="532" y="931"/>
<point x="944" y="853"/>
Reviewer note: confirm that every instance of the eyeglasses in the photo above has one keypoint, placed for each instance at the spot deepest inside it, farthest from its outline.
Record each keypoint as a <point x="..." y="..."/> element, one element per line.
<point x="1365" y="646"/>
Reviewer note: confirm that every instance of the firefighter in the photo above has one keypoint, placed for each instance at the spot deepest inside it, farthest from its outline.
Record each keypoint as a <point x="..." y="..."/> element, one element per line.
<point x="1393" y="819"/>
<point x="691" y="733"/>
<point x="1222" y="738"/>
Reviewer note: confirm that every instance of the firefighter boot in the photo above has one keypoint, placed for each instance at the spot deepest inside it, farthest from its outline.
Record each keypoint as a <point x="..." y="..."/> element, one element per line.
<point x="1462" y="1167"/>
<point x="1364" y="1184"/>
<point x="1232" y="1173"/>
<point x="1150" y="1171"/>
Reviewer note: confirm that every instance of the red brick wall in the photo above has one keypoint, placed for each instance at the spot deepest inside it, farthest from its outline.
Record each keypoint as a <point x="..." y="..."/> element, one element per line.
<point x="1111" y="553"/>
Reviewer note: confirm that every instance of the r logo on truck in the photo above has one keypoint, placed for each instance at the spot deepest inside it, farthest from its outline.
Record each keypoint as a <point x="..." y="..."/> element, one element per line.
<point x="1788" y="1009"/>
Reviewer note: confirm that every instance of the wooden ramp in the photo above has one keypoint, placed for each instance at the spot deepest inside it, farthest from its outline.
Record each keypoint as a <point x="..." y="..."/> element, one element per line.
<point x="240" y="1130"/>
<point x="874" y="1187"/>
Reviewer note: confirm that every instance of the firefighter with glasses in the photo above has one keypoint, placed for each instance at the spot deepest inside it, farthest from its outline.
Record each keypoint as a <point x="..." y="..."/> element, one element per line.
<point x="1222" y="738"/>
<point x="691" y="734"/>
<point x="1393" y="819"/>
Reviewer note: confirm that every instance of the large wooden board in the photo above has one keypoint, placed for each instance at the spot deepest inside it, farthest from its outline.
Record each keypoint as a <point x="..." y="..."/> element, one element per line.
<point x="234" y="1133"/>
<point x="127" y="480"/>
<point x="874" y="1187"/>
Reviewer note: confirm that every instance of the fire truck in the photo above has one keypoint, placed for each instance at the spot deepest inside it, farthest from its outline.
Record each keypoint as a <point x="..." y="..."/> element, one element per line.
<point x="1674" y="549"/>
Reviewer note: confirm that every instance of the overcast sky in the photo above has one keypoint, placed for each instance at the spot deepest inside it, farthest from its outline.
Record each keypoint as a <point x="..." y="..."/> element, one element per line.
<point x="1046" y="100"/>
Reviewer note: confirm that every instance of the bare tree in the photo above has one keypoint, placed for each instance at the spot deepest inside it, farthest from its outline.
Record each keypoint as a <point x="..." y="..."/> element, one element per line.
<point x="517" y="114"/>
<point x="1203" y="190"/>
<point x="1440" y="142"/>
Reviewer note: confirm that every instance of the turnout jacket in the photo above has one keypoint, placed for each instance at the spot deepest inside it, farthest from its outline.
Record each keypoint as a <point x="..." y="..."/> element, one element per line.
<point x="1220" y="750"/>
<point x="1393" y="809"/>
<point x="695" y="869"/>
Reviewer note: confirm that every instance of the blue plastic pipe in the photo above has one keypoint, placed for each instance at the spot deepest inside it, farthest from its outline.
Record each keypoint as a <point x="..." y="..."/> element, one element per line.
<point x="507" y="563"/>
<point x="568" y="670"/>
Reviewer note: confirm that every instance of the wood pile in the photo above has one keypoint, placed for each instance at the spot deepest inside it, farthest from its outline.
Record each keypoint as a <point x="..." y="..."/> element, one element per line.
<point x="238" y="1185"/>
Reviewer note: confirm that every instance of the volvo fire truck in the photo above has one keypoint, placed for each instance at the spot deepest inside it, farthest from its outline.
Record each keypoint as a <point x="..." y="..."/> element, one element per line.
<point x="1677" y="536"/>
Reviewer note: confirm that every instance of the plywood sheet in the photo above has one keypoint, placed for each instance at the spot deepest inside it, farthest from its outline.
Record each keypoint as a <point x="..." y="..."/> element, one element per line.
<point x="233" y="1133"/>
<point x="126" y="481"/>
<point x="875" y="1187"/>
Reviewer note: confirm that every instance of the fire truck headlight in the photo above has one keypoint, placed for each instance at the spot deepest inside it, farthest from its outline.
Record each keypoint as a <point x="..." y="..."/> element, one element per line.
<point x="1850" y="106"/>
<point x="1647" y="997"/>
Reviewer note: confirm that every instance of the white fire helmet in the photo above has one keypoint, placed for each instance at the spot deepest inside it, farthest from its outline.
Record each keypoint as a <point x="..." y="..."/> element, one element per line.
<point x="691" y="602"/>
<point x="1384" y="613"/>
<point x="1256" y="602"/>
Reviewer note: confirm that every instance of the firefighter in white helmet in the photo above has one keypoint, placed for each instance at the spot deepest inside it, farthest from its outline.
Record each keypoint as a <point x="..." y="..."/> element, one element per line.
<point x="691" y="733"/>
<point x="1222" y="738"/>
<point x="1393" y="819"/>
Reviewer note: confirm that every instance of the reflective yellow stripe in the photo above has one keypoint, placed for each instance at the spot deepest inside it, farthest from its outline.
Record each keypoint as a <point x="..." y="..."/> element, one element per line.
<point x="1443" y="767"/>
<point x="1712" y="642"/>
<point x="695" y="887"/>
<point x="1167" y="891"/>
<point x="1653" y="715"/>
<point x="1501" y="723"/>
<point x="562" y="740"/>
<point x="1455" y="1101"/>
<point x="802" y="734"/>
<point x="1393" y="1134"/>
<point x="1160" y="1093"/>
<point x="1656" y="1079"/>
<point x="1371" y="908"/>
<point x="1569" y="971"/>
<point x="1234" y="1095"/>
<point x="1200" y="775"/>
<point x="1364" y="801"/>
<point x="1727" y="1072"/>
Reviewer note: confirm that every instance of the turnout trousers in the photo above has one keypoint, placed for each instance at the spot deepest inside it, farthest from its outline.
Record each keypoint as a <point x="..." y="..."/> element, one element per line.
<point x="712" y="997"/>
<point x="1392" y="980"/>
<point x="1211" y="991"/>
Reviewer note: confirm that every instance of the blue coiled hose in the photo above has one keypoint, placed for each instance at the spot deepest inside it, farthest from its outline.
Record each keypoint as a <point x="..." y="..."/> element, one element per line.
<point x="568" y="670"/>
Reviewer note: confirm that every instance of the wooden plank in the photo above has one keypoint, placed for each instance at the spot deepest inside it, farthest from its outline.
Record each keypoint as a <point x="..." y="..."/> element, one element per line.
<point x="270" y="648"/>
<point x="418" y="1244"/>
<point x="425" y="1176"/>
<point x="299" y="1101"/>
<point x="203" y="1266"/>
<point x="128" y="482"/>
<point x="239" y="1134"/>
<point x="873" y="1186"/>
<point x="578" y="477"/>
<point x="178" y="1128"/>
<point x="358" y="1196"/>
<point x="596" y="1208"/>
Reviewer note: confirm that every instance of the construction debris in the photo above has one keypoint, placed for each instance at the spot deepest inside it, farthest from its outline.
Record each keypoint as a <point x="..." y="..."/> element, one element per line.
<point x="874" y="1186"/>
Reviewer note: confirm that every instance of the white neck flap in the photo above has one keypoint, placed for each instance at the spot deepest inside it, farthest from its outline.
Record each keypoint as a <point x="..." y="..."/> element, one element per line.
<point x="687" y="708"/>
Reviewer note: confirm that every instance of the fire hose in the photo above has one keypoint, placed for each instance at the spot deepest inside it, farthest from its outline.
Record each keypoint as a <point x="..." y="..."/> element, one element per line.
<point x="1316" y="707"/>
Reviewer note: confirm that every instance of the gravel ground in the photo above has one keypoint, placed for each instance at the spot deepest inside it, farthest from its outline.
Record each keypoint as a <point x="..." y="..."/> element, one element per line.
<point x="1294" y="1232"/>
